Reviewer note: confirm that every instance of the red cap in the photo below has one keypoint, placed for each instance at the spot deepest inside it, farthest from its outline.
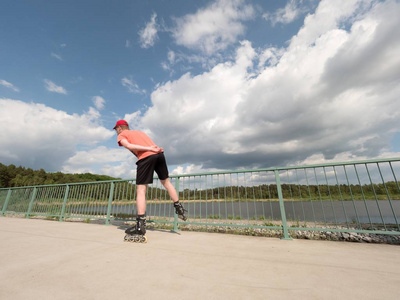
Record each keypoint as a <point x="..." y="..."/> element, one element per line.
<point x="121" y="122"/>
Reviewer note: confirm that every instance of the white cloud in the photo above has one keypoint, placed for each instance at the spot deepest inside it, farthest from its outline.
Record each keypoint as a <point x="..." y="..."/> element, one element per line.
<point x="93" y="114"/>
<point x="52" y="87"/>
<point x="332" y="92"/>
<point x="213" y="28"/>
<point x="328" y="17"/>
<point x="133" y="119"/>
<point x="98" y="102"/>
<point x="125" y="169"/>
<point x="191" y="169"/>
<point x="37" y="136"/>
<point x="115" y="162"/>
<point x="57" y="56"/>
<point x="292" y="10"/>
<point x="99" y="154"/>
<point x="132" y="86"/>
<point x="148" y="35"/>
<point x="165" y="66"/>
<point x="8" y="85"/>
<point x="270" y="57"/>
<point x="171" y="57"/>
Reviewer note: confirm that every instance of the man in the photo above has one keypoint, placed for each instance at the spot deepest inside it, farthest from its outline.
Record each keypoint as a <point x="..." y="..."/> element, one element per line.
<point x="150" y="158"/>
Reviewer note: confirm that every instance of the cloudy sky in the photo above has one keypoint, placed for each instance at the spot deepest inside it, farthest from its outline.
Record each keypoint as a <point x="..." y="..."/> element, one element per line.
<point x="221" y="85"/>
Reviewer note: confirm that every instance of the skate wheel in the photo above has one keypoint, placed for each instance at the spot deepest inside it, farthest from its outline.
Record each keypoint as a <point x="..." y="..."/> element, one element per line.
<point x="128" y="238"/>
<point x="135" y="238"/>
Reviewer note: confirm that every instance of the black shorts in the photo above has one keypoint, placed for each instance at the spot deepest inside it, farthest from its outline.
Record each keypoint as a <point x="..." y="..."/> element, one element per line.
<point x="147" y="166"/>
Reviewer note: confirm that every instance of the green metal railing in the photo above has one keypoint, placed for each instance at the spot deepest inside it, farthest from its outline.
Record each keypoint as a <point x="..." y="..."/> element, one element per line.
<point x="360" y="196"/>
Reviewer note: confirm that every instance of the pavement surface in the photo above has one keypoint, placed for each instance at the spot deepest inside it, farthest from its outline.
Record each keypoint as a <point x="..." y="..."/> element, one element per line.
<point x="42" y="259"/>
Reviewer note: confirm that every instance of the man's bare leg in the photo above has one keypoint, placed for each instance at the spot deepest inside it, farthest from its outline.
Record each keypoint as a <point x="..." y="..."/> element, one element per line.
<point x="141" y="198"/>
<point x="170" y="189"/>
<point x="137" y="232"/>
<point x="174" y="196"/>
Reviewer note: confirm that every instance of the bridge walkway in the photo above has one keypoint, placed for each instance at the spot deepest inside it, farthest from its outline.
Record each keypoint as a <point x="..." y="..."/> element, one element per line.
<point x="42" y="259"/>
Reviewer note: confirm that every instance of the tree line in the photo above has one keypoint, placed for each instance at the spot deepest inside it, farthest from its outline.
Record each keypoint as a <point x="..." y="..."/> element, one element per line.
<point x="298" y="192"/>
<point x="12" y="176"/>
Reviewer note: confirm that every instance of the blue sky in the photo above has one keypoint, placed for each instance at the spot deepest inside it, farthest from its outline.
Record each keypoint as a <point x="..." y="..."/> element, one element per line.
<point x="219" y="84"/>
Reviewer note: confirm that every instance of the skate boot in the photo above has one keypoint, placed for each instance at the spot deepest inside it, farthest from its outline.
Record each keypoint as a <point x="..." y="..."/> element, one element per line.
<point x="180" y="211"/>
<point x="136" y="233"/>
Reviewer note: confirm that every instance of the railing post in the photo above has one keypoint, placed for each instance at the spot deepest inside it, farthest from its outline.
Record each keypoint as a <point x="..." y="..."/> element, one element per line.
<point x="282" y="207"/>
<point x="31" y="202"/>
<point x="6" y="202"/>
<point x="110" y="203"/>
<point x="64" y="203"/>
<point x="176" y="229"/>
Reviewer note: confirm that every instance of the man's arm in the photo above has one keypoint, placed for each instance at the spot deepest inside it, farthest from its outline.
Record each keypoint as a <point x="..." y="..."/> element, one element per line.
<point x="135" y="148"/>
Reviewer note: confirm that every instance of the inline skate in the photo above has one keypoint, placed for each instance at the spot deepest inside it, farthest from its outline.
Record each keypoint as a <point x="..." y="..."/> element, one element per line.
<point x="180" y="211"/>
<point x="136" y="233"/>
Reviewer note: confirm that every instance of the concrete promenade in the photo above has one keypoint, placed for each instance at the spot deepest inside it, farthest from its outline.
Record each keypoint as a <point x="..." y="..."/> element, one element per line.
<point x="42" y="259"/>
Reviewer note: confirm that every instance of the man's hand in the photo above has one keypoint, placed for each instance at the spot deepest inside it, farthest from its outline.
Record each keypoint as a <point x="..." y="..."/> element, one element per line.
<point x="157" y="149"/>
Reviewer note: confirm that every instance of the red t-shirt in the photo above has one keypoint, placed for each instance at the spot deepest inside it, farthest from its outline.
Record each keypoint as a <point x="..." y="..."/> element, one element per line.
<point x="137" y="137"/>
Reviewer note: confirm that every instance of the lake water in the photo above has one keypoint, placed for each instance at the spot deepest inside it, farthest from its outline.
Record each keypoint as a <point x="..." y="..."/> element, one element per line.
<point x="304" y="211"/>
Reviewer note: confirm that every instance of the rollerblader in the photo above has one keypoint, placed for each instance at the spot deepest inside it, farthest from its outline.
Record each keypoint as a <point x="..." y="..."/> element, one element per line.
<point x="150" y="159"/>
